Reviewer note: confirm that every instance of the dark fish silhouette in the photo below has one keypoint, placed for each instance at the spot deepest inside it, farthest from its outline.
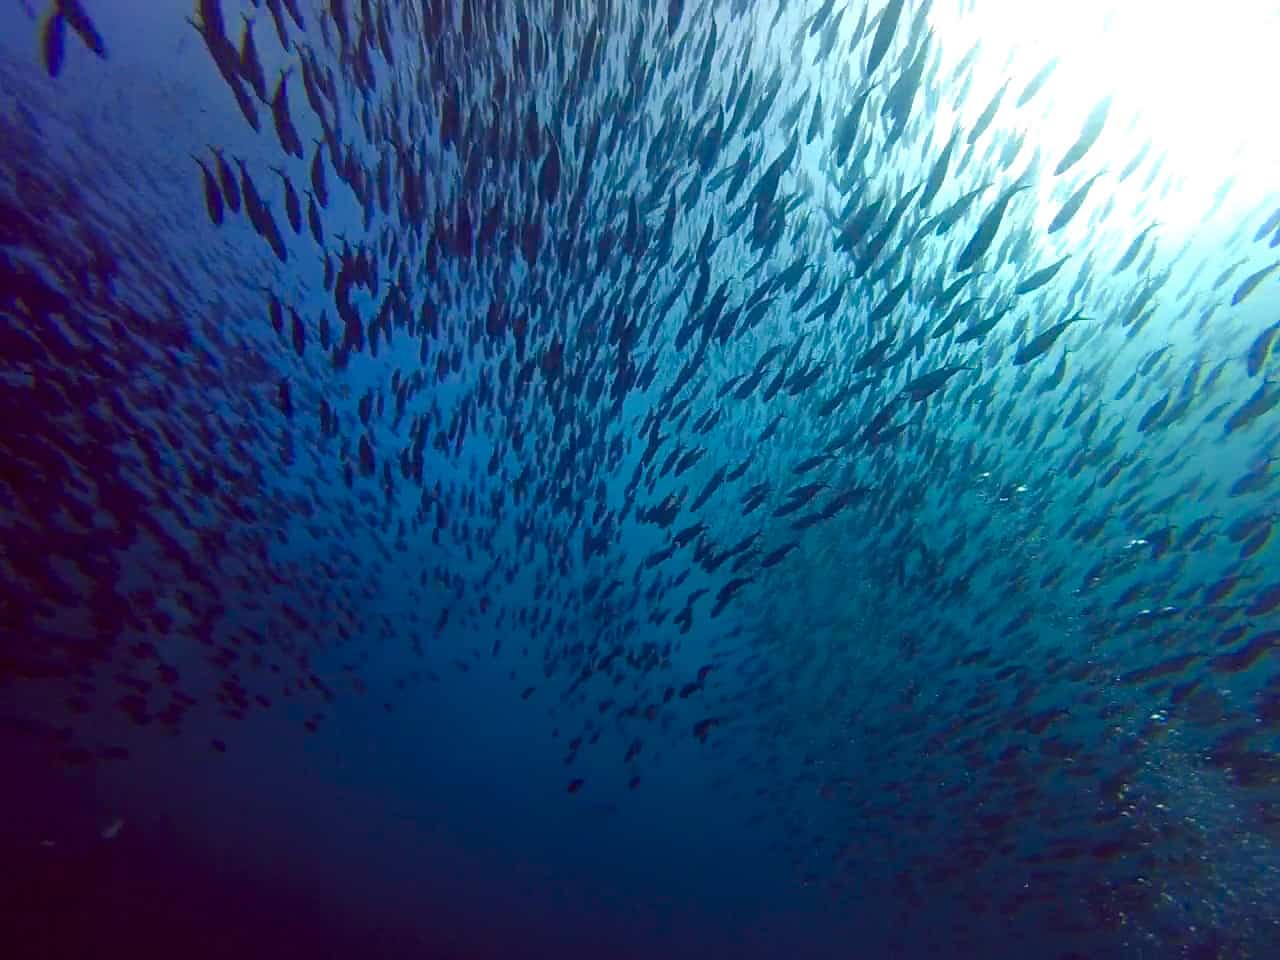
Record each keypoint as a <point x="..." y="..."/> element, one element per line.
<point x="985" y="235"/>
<point x="290" y="142"/>
<point x="250" y="65"/>
<point x="292" y="206"/>
<point x="227" y="181"/>
<point x="889" y="18"/>
<point x="1252" y="282"/>
<point x="53" y="45"/>
<point x="73" y="12"/>
<point x="1039" y="345"/>
<point x="212" y="195"/>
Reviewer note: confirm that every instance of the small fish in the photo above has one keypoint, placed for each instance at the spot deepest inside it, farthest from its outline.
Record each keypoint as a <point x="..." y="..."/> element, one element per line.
<point x="939" y="172"/>
<point x="1259" y="352"/>
<point x="1072" y="206"/>
<point x="319" y="185"/>
<point x="298" y="332"/>
<point x="775" y="557"/>
<point x="1251" y="283"/>
<point x="884" y="34"/>
<point x="227" y="181"/>
<point x="212" y="195"/>
<point x="1040" y="345"/>
<point x="293" y="209"/>
<point x="927" y="384"/>
<point x="984" y="120"/>
<point x="284" y="396"/>
<point x="1035" y="83"/>
<point x="1263" y="400"/>
<point x="1092" y="129"/>
<point x="1151" y="418"/>
<point x="1038" y="279"/>
<point x="804" y="466"/>
<point x="74" y="13"/>
<point x="250" y="65"/>
<point x="1131" y="253"/>
<point x="53" y="45"/>
<point x="986" y="232"/>
<point x="287" y="134"/>
<point x="728" y="592"/>
<point x="313" y="220"/>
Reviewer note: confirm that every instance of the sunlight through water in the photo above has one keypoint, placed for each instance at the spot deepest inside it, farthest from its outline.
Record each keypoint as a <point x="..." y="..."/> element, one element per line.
<point x="1194" y="79"/>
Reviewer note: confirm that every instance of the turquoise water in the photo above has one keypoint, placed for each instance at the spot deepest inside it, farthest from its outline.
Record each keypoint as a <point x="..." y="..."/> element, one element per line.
<point x="639" y="480"/>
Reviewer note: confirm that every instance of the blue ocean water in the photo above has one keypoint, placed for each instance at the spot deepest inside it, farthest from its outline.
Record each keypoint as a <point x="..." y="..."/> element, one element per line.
<point x="638" y="480"/>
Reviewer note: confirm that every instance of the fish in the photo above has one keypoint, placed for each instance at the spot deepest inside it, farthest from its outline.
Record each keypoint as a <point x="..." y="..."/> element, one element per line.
<point x="675" y="10"/>
<point x="1268" y="225"/>
<point x="1252" y="282"/>
<point x="78" y="19"/>
<point x="1072" y="206"/>
<point x="728" y="592"/>
<point x="1039" y="345"/>
<point x="293" y="207"/>
<point x="1041" y="277"/>
<point x="711" y="486"/>
<point x="1259" y="352"/>
<point x="980" y="328"/>
<point x="1262" y="401"/>
<point x="227" y="182"/>
<point x="212" y="194"/>
<point x="1131" y="253"/>
<point x="958" y="313"/>
<point x="286" y="132"/>
<point x="927" y="384"/>
<point x="1037" y="82"/>
<point x="1154" y="413"/>
<point x="53" y="44"/>
<point x="987" y="116"/>
<point x="938" y="174"/>
<point x="314" y="224"/>
<point x="888" y="25"/>
<point x="889" y="302"/>
<point x="774" y="557"/>
<point x="319" y="183"/>
<point x="985" y="235"/>
<point x="1089" y="134"/>
<point x="250" y="65"/>
<point x="809" y="463"/>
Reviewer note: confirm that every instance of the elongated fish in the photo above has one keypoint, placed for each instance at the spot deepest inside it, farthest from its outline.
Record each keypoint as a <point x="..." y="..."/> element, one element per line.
<point x="1252" y="282"/>
<point x="1040" y="345"/>
<point x="1093" y="125"/>
<point x="884" y="34"/>
<point x="986" y="232"/>
<point x="1035" y="83"/>
<point x="1072" y="206"/>
<point x="1040" y="277"/>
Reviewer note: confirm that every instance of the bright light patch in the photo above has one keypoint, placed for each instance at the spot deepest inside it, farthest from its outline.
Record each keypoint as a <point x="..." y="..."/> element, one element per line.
<point x="1195" y="79"/>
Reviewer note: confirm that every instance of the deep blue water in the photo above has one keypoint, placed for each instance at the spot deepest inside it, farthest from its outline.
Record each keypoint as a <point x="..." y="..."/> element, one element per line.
<point x="696" y="480"/>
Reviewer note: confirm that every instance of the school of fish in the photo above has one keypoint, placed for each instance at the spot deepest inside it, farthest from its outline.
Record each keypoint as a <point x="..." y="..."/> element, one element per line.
<point x="722" y="392"/>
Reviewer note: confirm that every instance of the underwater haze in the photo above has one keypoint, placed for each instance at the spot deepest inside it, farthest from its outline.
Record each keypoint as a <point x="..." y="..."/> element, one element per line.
<point x="639" y="479"/>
